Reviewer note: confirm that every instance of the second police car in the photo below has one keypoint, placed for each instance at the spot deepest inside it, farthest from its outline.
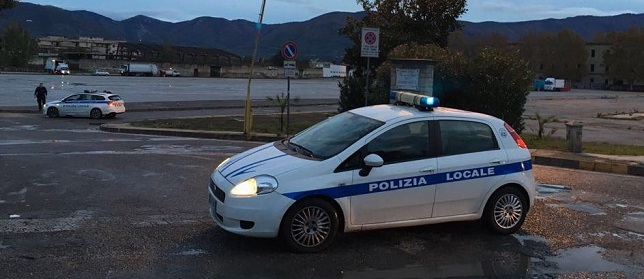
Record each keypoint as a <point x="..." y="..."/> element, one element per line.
<point x="88" y="104"/>
<point x="377" y="167"/>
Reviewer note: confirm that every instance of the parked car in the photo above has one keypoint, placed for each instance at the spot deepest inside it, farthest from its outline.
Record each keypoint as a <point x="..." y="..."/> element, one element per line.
<point x="404" y="164"/>
<point x="101" y="73"/>
<point x="171" y="73"/>
<point x="87" y="104"/>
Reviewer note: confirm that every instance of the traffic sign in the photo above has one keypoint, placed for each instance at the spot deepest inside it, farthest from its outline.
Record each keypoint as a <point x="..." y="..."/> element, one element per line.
<point x="290" y="69"/>
<point x="370" y="42"/>
<point x="289" y="51"/>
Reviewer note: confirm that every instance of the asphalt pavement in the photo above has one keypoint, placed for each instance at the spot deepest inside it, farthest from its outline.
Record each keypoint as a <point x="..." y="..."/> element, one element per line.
<point x="629" y="165"/>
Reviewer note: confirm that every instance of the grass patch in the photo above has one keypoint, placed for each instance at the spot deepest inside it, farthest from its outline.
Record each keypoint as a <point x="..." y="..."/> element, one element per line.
<point x="587" y="147"/>
<point x="299" y="121"/>
<point x="261" y="123"/>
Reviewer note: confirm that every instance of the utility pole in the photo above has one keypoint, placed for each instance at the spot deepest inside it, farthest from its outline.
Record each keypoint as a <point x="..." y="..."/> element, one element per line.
<point x="248" y="112"/>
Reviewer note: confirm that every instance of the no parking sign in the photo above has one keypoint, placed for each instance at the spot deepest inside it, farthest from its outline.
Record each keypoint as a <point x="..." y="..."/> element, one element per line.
<point x="289" y="51"/>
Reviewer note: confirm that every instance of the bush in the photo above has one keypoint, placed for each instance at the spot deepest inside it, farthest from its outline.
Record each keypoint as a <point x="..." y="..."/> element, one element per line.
<point x="494" y="83"/>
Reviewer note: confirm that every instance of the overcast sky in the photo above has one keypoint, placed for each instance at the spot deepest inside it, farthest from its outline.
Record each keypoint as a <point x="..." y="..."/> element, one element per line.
<point x="281" y="11"/>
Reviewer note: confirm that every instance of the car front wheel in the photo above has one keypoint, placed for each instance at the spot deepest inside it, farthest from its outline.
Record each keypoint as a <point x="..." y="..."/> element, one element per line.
<point x="95" y="113"/>
<point x="53" y="112"/>
<point x="506" y="210"/>
<point x="309" y="226"/>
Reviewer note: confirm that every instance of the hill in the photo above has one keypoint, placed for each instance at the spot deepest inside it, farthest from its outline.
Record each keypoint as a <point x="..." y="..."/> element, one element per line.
<point x="316" y="38"/>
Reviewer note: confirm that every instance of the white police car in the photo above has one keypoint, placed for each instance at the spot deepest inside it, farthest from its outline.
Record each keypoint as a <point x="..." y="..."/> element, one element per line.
<point x="88" y="104"/>
<point x="377" y="167"/>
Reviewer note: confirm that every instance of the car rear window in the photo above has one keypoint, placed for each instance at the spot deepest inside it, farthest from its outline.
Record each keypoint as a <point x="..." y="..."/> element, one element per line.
<point x="460" y="137"/>
<point x="115" y="98"/>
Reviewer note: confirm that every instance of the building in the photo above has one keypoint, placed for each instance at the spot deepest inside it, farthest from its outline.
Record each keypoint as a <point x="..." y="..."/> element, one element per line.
<point x="81" y="48"/>
<point x="597" y="76"/>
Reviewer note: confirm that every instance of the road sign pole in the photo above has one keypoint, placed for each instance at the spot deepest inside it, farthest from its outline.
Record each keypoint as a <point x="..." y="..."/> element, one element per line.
<point x="288" y="105"/>
<point x="366" y="88"/>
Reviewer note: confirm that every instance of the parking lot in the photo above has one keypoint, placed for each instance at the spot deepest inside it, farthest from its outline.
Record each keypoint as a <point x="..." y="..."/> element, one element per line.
<point x="81" y="203"/>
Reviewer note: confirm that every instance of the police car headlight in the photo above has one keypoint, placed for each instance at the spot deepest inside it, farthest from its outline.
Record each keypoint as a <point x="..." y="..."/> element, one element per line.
<point x="259" y="185"/>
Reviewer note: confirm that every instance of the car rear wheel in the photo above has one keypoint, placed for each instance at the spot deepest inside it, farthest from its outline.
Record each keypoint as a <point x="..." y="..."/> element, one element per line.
<point x="506" y="210"/>
<point x="53" y="112"/>
<point x="95" y="113"/>
<point x="309" y="226"/>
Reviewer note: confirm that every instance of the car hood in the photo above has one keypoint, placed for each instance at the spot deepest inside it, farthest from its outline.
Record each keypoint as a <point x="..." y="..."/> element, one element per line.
<point x="54" y="102"/>
<point x="263" y="160"/>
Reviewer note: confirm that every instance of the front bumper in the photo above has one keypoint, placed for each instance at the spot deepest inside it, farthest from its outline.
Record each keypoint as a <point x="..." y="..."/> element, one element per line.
<point x="258" y="216"/>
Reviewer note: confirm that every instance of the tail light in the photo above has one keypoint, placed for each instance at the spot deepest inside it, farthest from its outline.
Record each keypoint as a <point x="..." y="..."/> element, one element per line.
<point x="515" y="136"/>
<point x="112" y="104"/>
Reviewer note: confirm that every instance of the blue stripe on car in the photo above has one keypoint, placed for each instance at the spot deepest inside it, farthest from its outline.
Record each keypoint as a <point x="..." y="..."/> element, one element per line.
<point x="249" y="168"/>
<point x="414" y="181"/>
<point x="231" y="162"/>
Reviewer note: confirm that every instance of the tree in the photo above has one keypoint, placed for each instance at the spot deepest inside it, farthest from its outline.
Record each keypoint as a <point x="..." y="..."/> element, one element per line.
<point x="400" y="22"/>
<point x="561" y="55"/>
<point x="569" y="56"/>
<point x="493" y="82"/>
<point x="626" y="59"/>
<point x="17" y="46"/>
<point x="168" y="54"/>
<point x="7" y="4"/>
<point x="281" y="101"/>
<point x="471" y="46"/>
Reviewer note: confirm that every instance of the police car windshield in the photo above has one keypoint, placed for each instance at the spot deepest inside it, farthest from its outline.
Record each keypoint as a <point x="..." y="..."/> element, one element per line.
<point x="329" y="137"/>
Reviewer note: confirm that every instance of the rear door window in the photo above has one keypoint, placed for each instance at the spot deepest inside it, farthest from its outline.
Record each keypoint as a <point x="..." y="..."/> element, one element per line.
<point x="461" y="137"/>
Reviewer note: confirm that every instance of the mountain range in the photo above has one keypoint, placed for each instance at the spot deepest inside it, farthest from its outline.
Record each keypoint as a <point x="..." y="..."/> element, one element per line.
<point x="316" y="38"/>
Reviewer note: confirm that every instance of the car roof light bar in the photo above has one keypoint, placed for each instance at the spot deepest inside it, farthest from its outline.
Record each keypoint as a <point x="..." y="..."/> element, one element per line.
<point x="422" y="102"/>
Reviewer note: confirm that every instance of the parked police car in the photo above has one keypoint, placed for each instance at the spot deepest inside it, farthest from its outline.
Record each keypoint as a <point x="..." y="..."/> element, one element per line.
<point x="88" y="104"/>
<point x="377" y="167"/>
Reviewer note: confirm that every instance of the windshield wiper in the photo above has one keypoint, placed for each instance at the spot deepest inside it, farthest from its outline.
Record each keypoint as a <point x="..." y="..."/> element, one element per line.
<point x="301" y="149"/>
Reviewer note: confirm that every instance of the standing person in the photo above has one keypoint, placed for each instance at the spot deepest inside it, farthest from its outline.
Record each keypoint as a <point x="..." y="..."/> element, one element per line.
<point x="41" y="95"/>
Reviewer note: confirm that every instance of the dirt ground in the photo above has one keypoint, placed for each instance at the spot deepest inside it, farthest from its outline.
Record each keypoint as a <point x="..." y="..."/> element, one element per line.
<point x="607" y="116"/>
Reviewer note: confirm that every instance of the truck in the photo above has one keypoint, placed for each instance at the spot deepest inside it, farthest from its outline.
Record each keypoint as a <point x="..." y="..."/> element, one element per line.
<point x="139" y="69"/>
<point x="553" y="84"/>
<point x="57" y="67"/>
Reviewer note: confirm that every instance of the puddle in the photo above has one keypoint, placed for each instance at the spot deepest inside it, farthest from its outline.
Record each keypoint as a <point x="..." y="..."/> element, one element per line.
<point x="633" y="222"/>
<point x="557" y="192"/>
<point x="499" y="258"/>
<point x="586" y="208"/>
<point x="581" y="259"/>
<point x="528" y="237"/>
<point x="192" y="252"/>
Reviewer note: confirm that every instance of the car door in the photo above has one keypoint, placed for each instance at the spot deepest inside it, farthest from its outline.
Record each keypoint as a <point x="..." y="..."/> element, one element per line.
<point x="469" y="162"/>
<point x="83" y="105"/>
<point x="69" y="105"/>
<point x="399" y="190"/>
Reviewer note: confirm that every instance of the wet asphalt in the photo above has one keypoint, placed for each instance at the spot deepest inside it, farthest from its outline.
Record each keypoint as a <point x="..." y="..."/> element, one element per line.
<point x="76" y="202"/>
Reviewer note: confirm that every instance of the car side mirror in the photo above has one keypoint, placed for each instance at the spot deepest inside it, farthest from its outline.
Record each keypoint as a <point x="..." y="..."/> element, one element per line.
<point x="370" y="162"/>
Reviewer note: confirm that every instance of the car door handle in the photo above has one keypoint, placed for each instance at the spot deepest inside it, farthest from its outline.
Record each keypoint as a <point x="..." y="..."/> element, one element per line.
<point x="428" y="170"/>
<point x="496" y="162"/>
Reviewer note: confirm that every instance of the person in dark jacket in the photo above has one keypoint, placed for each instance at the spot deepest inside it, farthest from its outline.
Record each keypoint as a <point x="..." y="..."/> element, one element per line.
<point x="41" y="95"/>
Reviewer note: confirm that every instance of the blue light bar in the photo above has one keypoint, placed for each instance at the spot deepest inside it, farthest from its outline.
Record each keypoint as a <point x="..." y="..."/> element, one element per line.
<point x="414" y="99"/>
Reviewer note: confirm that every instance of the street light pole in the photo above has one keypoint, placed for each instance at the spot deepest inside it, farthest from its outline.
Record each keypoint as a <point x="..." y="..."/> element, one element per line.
<point x="248" y="112"/>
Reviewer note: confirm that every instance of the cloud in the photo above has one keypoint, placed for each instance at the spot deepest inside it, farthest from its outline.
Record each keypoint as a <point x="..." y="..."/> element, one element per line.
<point x="521" y="10"/>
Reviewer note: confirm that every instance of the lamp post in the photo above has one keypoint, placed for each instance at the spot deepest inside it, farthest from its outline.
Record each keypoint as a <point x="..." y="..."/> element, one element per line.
<point x="248" y="111"/>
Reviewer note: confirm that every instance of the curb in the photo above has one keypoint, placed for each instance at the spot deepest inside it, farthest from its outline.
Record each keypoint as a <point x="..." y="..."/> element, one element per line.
<point x="604" y="166"/>
<point x="615" y="167"/>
